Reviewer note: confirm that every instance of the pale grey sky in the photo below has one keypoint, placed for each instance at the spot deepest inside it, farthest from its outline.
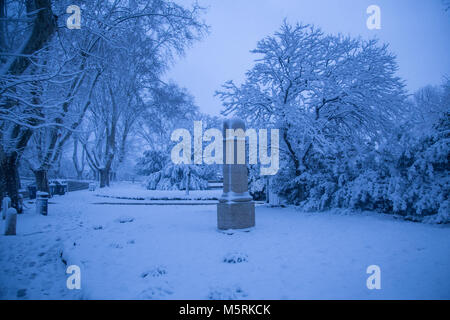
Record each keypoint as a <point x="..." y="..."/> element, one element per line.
<point x="418" y="32"/>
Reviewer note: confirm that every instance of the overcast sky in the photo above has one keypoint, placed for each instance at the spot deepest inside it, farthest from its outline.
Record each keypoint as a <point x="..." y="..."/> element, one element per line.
<point x="418" y="32"/>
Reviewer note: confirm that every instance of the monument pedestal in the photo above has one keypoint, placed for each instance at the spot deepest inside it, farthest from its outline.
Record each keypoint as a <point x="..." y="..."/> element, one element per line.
<point x="236" y="209"/>
<point x="235" y="215"/>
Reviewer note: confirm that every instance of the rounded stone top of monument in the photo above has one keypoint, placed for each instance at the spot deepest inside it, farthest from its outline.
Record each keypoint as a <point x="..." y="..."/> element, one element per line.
<point x="234" y="123"/>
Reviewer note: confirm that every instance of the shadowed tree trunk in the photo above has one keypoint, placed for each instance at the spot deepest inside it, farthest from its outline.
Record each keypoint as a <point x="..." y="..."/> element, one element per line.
<point x="9" y="175"/>
<point x="104" y="177"/>
<point x="41" y="177"/>
<point x="42" y="26"/>
<point x="79" y="168"/>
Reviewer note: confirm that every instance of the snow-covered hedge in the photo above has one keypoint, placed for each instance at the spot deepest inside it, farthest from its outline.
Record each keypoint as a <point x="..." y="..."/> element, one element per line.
<point x="256" y="183"/>
<point x="414" y="182"/>
<point x="173" y="177"/>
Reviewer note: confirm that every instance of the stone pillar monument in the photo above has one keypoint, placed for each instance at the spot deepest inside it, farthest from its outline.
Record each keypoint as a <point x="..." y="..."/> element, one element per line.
<point x="236" y="209"/>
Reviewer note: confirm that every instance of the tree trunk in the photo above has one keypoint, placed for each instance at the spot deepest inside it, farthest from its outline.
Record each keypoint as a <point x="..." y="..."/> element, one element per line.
<point x="104" y="177"/>
<point x="292" y="153"/>
<point x="44" y="25"/>
<point x="79" y="168"/>
<point x="188" y="180"/>
<point x="10" y="179"/>
<point x="41" y="178"/>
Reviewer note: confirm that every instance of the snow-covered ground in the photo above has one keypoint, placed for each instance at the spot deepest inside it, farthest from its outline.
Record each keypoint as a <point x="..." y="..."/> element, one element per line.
<point x="137" y="192"/>
<point x="176" y="252"/>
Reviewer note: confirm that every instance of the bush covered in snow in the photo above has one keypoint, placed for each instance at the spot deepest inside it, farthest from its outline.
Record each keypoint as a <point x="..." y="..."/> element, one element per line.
<point x="174" y="177"/>
<point x="410" y="179"/>
<point x="152" y="161"/>
<point x="256" y="183"/>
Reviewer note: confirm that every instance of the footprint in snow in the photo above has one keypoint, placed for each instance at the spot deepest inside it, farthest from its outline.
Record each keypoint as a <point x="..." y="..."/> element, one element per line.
<point x="116" y="245"/>
<point x="21" y="293"/>
<point x="125" y="219"/>
<point x="235" y="257"/>
<point x="154" y="272"/>
<point x="156" y="292"/>
<point x="226" y="293"/>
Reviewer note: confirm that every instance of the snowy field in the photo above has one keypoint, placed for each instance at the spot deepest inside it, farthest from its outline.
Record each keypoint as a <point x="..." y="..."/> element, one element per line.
<point x="176" y="252"/>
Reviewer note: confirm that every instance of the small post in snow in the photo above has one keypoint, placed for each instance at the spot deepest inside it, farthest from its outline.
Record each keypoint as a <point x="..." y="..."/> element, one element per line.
<point x="42" y="203"/>
<point x="5" y="206"/>
<point x="188" y="180"/>
<point x="236" y="209"/>
<point x="10" y="222"/>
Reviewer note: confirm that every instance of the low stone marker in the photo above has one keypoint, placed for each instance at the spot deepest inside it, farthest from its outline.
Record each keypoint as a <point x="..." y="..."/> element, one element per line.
<point x="5" y="206"/>
<point x="236" y="209"/>
<point x="42" y="203"/>
<point x="10" y="222"/>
